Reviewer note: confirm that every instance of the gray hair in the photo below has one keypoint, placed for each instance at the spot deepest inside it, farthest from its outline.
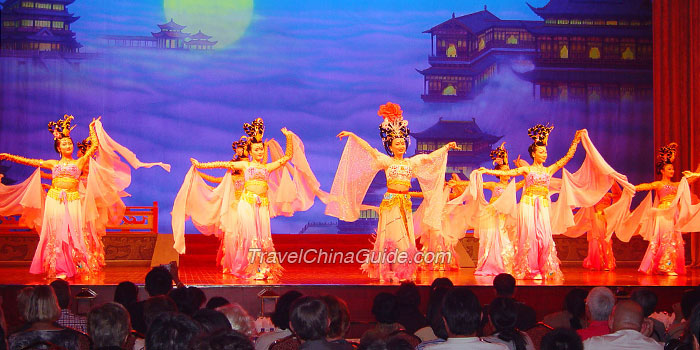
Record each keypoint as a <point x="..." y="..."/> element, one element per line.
<point x="600" y="302"/>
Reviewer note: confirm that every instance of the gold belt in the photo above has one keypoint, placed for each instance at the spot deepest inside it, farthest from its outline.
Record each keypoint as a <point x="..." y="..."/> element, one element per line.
<point x="536" y="190"/>
<point x="399" y="182"/>
<point x="255" y="183"/>
<point x="667" y="199"/>
<point x="394" y="199"/>
<point x="56" y="194"/>
<point x="254" y="198"/>
<point x="61" y="180"/>
<point x="530" y="200"/>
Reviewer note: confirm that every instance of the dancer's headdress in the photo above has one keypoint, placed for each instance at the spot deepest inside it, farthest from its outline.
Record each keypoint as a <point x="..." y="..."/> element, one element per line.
<point x="243" y="143"/>
<point x="62" y="127"/>
<point x="255" y="130"/>
<point x="393" y="126"/>
<point x="540" y="133"/>
<point x="84" y="145"/>
<point x="667" y="154"/>
<point x="500" y="155"/>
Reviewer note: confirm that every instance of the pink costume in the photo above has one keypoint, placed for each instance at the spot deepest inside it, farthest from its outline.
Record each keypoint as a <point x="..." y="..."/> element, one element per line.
<point x="395" y="231"/>
<point x="242" y="220"/>
<point x="70" y="239"/>
<point x="592" y="220"/>
<point x="496" y="231"/>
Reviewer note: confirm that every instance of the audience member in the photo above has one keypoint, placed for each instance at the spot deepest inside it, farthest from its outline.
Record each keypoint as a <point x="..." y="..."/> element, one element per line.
<point x="503" y="315"/>
<point x="41" y="311"/>
<point x="436" y="333"/>
<point x="239" y="319"/>
<point x="159" y="281"/>
<point x="223" y="339"/>
<point x="561" y="339"/>
<point x="599" y="305"/>
<point x="171" y="331"/>
<point x="626" y="324"/>
<point x="154" y="306"/>
<point x="504" y="284"/>
<point x="461" y="312"/>
<point x="211" y="321"/>
<point x="280" y="318"/>
<point x="410" y="317"/>
<point x="309" y="321"/>
<point x="682" y="313"/>
<point x="647" y="299"/>
<point x="385" y="309"/>
<point x="68" y="318"/>
<point x="23" y="297"/>
<point x="126" y="293"/>
<point x="215" y="302"/>
<point x="109" y="326"/>
<point x="574" y="314"/>
<point x="339" y="316"/>
<point x="187" y="299"/>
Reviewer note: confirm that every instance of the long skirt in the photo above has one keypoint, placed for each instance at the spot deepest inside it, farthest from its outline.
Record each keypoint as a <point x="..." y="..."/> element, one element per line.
<point x="666" y="252"/>
<point x="496" y="251"/>
<point x="393" y="257"/>
<point x="600" y="253"/>
<point x="535" y="252"/>
<point x="62" y="249"/>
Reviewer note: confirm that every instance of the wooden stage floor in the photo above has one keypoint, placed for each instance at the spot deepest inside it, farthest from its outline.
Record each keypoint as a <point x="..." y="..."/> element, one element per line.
<point x="350" y="275"/>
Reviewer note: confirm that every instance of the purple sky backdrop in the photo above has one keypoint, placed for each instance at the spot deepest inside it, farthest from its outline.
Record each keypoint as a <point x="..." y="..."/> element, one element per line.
<point x="315" y="71"/>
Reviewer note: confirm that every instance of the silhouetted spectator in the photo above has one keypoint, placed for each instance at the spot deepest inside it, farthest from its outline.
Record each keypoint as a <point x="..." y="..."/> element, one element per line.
<point x="225" y="339"/>
<point x="309" y="321"/>
<point x="280" y="318"/>
<point x="561" y="339"/>
<point x="68" y="318"/>
<point x="504" y="284"/>
<point x="385" y="309"/>
<point x="187" y="299"/>
<point x="154" y="306"/>
<point x="126" y="293"/>
<point x="109" y="326"/>
<point x="574" y="314"/>
<point x="647" y="299"/>
<point x="436" y="333"/>
<point x="682" y="313"/>
<point x="159" y="281"/>
<point x="599" y="305"/>
<point x="211" y="321"/>
<point x="215" y="302"/>
<point x="339" y="316"/>
<point x="410" y="316"/>
<point x="503" y="315"/>
<point x="171" y="331"/>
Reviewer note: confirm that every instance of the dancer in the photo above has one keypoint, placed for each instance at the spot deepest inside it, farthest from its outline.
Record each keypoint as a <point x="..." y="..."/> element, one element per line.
<point x="248" y="251"/>
<point x="665" y="253"/>
<point x="72" y="222"/>
<point x="535" y="252"/>
<point x="592" y="220"/>
<point x="395" y="232"/>
<point x="495" y="221"/>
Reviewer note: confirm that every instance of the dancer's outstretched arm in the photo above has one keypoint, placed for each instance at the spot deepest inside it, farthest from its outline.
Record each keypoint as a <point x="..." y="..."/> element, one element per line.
<point x="647" y="186"/>
<point x="570" y="154"/>
<point x="94" y="143"/>
<point x="288" y="152"/>
<point x="364" y="144"/>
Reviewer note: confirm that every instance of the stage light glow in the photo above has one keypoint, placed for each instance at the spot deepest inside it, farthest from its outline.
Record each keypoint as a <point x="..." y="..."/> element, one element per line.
<point x="226" y="21"/>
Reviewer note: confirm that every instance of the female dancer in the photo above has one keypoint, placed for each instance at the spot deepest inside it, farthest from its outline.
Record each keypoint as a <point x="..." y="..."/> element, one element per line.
<point x="600" y="253"/>
<point x="248" y="251"/>
<point x="665" y="253"/>
<point x="495" y="222"/>
<point x="73" y="221"/>
<point x="395" y="240"/>
<point x="535" y="252"/>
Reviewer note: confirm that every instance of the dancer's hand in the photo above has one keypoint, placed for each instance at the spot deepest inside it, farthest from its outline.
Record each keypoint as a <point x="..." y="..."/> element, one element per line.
<point x="580" y="133"/>
<point x="194" y="161"/>
<point x="481" y="170"/>
<point x="344" y="134"/>
<point x="286" y="132"/>
<point x="92" y="123"/>
<point x="452" y="145"/>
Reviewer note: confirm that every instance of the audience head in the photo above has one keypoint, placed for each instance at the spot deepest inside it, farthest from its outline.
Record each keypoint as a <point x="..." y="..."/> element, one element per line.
<point x="186" y="299"/>
<point x="441" y="282"/>
<point x="108" y="325"/>
<point x="385" y="308"/>
<point x="23" y="300"/>
<point x="575" y="304"/>
<point x="215" y="302"/>
<point x="461" y="311"/>
<point x="600" y="302"/>
<point x="408" y="295"/>
<point x="62" y="290"/>
<point x="280" y="318"/>
<point x="309" y="318"/>
<point x="239" y="319"/>
<point x="126" y="293"/>
<point x="626" y="314"/>
<point x="225" y="339"/>
<point x="434" y="314"/>
<point x="398" y="343"/>
<point x="688" y="301"/>
<point x="503" y="314"/>
<point x="159" y="281"/>
<point x="154" y="306"/>
<point x="504" y="285"/>
<point x="339" y="316"/>
<point x="561" y="339"/>
<point x="42" y="305"/>
<point x="646" y="299"/>
<point x="171" y="331"/>
<point x="692" y="334"/>
<point x="211" y="321"/>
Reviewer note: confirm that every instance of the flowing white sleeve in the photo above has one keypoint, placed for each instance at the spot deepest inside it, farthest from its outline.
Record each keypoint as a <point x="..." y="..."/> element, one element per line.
<point x="689" y="215"/>
<point x="586" y="187"/>
<point x="429" y="169"/>
<point x="356" y="169"/>
<point x="25" y="199"/>
<point x="293" y="187"/>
